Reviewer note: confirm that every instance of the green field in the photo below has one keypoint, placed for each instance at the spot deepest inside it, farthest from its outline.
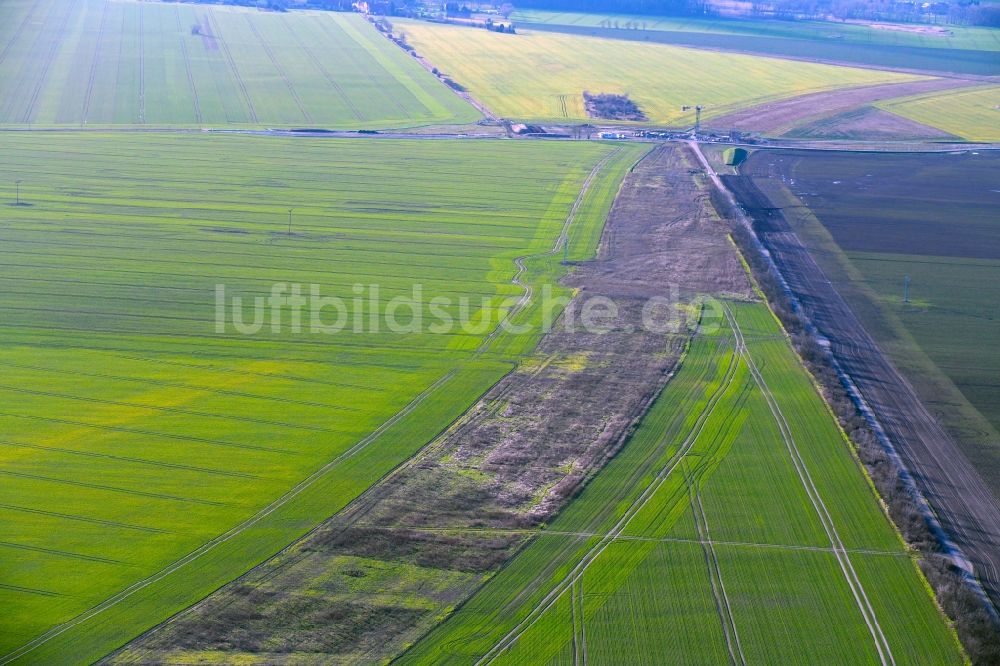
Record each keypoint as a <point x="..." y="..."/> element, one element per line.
<point x="973" y="114"/>
<point x="122" y="62"/>
<point x="141" y="446"/>
<point x="541" y="76"/>
<point x="951" y="49"/>
<point x="735" y="526"/>
<point x="860" y="33"/>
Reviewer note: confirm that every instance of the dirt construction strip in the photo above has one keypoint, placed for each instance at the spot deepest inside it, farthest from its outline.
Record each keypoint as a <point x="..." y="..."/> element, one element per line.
<point x="779" y="117"/>
<point x="470" y="499"/>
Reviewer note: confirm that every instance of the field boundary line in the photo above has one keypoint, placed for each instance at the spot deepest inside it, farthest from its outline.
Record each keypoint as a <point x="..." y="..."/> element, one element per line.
<point x="851" y="576"/>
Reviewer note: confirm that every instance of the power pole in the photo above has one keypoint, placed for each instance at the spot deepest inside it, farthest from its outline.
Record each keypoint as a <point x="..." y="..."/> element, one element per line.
<point x="906" y="288"/>
<point x="290" y="222"/>
<point x="697" y="116"/>
<point x="17" y="193"/>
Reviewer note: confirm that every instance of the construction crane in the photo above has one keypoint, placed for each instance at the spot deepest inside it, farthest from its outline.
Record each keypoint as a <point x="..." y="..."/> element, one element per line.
<point x="697" y="116"/>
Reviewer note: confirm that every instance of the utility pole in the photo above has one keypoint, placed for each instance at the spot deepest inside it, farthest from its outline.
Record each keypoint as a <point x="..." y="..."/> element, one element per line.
<point x="17" y="192"/>
<point x="290" y="222"/>
<point x="906" y="288"/>
<point x="565" y="251"/>
<point x="697" y="116"/>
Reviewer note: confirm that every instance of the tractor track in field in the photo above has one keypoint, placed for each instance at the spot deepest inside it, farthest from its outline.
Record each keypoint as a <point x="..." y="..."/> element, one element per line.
<point x="576" y="617"/>
<point x="318" y="64"/>
<point x="187" y="65"/>
<point x="29" y="111"/>
<point x="146" y="433"/>
<point x="166" y="410"/>
<point x="217" y="34"/>
<point x="523" y="455"/>
<point x="18" y="31"/>
<point x="84" y="519"/>
<point x="392" y="99"/>
<point x="562" y="106"/>
<point x="210" y="545"/>
<point x="142" y="66"/>
<point x="279" y="69"/>
<point x="194" y="387"/>
<point x="118" y="66"/>
<point x="112" y="489"/>
<point x="91" y="80"/>
<point x="634" y="537"/>
<point x="781" y="115"/>
<point x="576" y="574"/>
<point x="561" y="241"/>
<point x="850" y="575"/>
<point x="9" y="103"/>
<point x="131" y="459"/>
<point x="723" y="606"/>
